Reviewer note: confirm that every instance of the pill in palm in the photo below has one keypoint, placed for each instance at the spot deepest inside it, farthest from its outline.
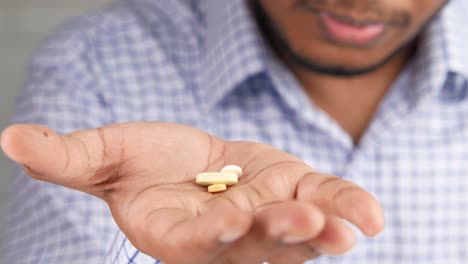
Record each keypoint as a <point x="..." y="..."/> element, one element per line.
<point x="232" y="168"/>
<point x="217" y="188"/>
<point x="211" y="178"/>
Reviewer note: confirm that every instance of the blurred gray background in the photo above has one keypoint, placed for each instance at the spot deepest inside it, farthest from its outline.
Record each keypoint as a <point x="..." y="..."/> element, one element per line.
<point x="23" y="25"/>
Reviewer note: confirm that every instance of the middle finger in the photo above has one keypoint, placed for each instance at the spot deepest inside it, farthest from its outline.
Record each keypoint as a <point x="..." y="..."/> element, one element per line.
<point x="276" y="225"/>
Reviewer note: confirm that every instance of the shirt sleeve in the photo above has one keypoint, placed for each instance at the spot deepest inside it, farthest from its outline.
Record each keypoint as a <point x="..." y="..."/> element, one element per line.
<point x="49" y="223"/>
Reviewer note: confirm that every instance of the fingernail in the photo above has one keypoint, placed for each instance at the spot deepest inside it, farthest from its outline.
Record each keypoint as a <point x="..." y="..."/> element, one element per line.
<point x="230" y="236"/>
<point x="293" y="239"/>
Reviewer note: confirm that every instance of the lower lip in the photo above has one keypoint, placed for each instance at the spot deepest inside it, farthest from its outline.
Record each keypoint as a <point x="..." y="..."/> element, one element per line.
<point x="342" y="32"/>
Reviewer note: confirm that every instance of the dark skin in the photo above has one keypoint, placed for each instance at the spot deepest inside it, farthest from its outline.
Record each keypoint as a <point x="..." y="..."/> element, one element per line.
<point x="282" y="210"/>
<point x="347" y="81"/>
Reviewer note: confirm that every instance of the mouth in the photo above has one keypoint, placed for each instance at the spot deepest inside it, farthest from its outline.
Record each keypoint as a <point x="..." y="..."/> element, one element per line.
<point x="346" y="31"/>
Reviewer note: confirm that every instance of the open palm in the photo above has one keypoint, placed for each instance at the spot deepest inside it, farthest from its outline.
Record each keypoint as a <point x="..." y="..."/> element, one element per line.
<point x="281" y="208"/>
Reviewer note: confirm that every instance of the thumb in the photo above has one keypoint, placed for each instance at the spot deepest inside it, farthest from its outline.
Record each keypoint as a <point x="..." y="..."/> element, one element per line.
<point x="79" y="160"/>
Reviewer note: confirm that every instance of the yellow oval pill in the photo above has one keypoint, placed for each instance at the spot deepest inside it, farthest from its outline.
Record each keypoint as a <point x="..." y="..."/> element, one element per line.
<point x="210" y="178"/>
<point x="217" y="188"/>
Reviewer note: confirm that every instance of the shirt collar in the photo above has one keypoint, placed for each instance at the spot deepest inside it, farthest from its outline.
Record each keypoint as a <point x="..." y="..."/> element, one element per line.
<point x="233" y="49"/>
<point x="440" y="53"/>
<point x="455" y="32"/>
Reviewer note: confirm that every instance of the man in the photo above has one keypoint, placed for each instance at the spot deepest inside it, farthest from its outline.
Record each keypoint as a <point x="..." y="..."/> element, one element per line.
<point x="372" y="92"/>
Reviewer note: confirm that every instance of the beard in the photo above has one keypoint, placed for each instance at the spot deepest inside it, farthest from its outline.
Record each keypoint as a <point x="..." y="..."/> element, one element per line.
<point x="282" y="47"/>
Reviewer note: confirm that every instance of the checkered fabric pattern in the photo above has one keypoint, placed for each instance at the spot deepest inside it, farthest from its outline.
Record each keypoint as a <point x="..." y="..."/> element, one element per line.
<point x="204" y="63"/>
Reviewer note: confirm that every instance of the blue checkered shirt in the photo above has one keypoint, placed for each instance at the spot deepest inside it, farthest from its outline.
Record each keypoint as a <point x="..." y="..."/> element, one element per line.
<point x="204" y="63"/>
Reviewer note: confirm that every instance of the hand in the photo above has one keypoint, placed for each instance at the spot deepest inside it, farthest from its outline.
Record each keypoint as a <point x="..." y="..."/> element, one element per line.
<point x="280" y="209"/>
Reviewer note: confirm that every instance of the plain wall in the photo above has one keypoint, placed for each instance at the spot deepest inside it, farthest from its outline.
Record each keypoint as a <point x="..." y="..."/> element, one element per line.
<point x="23" y="25"/>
